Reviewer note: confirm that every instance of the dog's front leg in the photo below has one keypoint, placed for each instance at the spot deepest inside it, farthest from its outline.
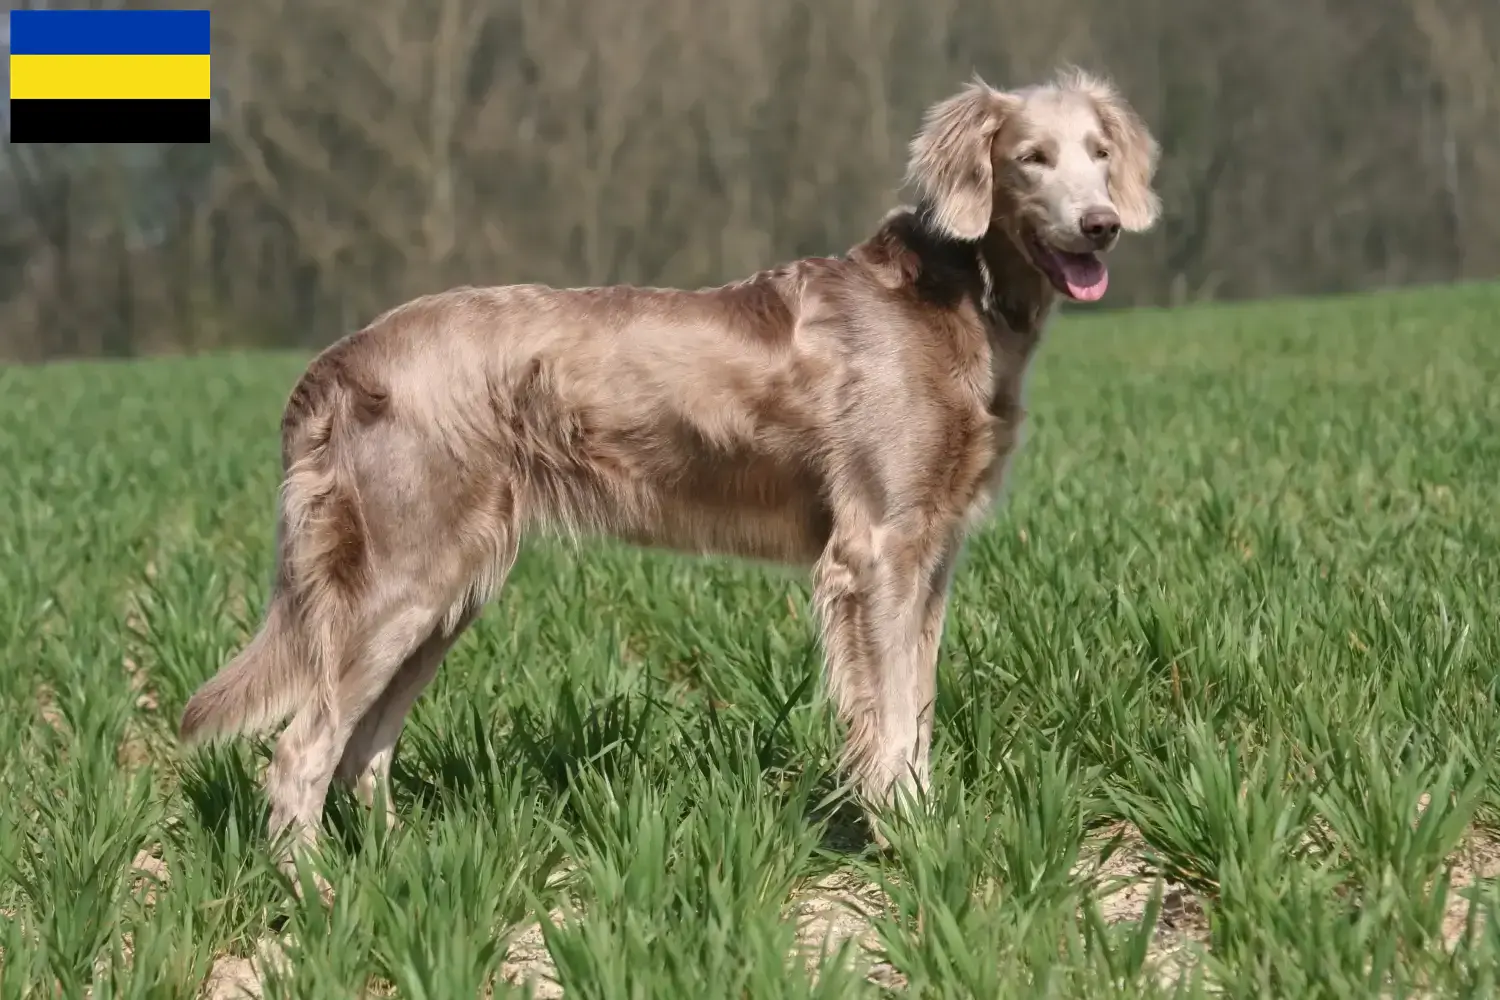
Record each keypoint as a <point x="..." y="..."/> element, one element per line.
<point x="934" y="613"/>
<point x="880" y="594"/>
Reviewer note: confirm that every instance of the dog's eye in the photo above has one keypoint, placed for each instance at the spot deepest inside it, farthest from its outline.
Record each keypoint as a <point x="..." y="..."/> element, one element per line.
<point x="1102" y="153"/>
<point x="1034" y="157"/>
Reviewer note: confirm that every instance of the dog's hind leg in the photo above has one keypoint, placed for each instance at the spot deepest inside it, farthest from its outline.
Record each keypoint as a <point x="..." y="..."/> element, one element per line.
<point x="390" y="551"/>
<point x="309" y="749"/>
<point x="366" y="763"/>
<point x="400" y="633"/>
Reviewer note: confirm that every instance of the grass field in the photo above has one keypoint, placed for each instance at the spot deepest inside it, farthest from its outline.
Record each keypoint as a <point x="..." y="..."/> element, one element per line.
<point x="1235" y="626"/>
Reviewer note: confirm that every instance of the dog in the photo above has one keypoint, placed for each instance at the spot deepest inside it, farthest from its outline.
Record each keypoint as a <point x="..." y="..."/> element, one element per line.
<point x="851" y="415"/>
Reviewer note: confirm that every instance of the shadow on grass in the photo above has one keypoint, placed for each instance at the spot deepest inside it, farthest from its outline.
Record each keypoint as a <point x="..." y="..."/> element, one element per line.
<point x="623" y="737"/>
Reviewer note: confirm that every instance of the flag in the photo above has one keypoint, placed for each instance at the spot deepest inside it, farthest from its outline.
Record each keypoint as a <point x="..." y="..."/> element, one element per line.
<point x="109" y="75"/>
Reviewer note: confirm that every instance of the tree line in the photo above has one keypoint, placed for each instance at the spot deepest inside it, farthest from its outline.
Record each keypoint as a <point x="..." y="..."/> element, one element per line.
<point x="369" y="150"/>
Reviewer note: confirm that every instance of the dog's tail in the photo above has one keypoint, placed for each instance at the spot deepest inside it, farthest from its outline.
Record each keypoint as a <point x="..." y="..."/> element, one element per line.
<point x="256" y="689"/>
<point x="322" y="556"/>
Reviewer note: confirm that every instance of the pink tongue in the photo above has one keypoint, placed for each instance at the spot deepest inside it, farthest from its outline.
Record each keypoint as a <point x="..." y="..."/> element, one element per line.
<point x="1085" y="275"/>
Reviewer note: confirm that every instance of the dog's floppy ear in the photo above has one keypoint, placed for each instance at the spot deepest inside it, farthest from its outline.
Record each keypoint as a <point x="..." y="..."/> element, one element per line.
<point x="950" y="159"/>
<point x="1133" y="164"/>
<point x="1133" y="167"/>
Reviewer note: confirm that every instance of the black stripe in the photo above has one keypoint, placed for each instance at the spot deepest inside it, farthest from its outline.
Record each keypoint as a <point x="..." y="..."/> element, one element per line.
<point x="108" y="121"/>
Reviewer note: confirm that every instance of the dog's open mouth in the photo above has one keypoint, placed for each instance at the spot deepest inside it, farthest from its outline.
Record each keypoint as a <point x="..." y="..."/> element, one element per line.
<point x="1079" y="276"/>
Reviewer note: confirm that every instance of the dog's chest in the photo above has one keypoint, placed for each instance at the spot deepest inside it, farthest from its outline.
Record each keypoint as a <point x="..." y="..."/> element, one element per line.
<point x="999" y="386"/>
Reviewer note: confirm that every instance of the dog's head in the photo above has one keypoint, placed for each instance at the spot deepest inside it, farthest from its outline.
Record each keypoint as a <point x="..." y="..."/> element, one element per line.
<point x="1060" y="168"/>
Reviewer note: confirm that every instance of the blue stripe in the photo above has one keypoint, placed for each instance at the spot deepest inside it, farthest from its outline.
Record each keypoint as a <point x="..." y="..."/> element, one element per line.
<point x="109" y="32"/>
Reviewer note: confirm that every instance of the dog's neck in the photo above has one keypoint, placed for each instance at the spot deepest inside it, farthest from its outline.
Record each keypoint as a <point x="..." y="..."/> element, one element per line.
<point x="1017" y="294"/>
<point x="992" y="273"/>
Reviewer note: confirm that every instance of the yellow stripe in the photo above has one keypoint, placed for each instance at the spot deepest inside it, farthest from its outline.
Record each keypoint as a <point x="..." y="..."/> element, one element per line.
<point x="94" y="77"/>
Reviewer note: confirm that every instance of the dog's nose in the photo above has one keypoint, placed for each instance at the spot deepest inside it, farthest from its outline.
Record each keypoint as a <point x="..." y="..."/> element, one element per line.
<point x="1100" y="225"/>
